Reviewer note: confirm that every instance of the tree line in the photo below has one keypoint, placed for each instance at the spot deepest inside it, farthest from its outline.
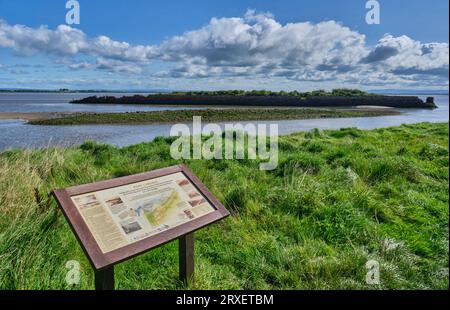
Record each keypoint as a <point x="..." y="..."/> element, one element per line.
<point x="339" y="92"/>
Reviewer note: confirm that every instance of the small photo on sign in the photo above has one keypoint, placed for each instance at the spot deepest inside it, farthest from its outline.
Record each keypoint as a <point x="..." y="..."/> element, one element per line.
<point x="193" y="194"/>
<point x="115" y="204"/>
<point x="197" y="202"/>
<point x="114" y="201"/>
<point x="183" y="183"/>
<point x="86" y="201"/>
<point x="129" y="228"/>
<point x="189" y="214"/>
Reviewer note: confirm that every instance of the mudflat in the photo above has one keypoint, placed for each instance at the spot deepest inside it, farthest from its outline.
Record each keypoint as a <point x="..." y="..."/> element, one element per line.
<point x="33" y="116"/>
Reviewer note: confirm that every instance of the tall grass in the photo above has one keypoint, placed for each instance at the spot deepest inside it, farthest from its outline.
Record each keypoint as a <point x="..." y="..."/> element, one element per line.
<point x="336" y="200"/>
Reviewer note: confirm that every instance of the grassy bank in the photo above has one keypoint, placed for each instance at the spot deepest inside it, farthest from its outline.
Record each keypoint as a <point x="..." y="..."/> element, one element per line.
<point x="336" y="200"/>
<point x="208" y="115"/>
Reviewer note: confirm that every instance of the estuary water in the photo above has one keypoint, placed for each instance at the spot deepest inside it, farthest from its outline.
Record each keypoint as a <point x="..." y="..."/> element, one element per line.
<point x="18" y="134"/>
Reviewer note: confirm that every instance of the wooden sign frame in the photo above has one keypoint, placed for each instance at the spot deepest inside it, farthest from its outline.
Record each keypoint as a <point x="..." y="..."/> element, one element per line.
<point x="103" y="263"/>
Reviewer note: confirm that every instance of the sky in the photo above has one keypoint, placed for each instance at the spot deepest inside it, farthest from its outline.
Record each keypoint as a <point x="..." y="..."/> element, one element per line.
<point x="245" y="44"/>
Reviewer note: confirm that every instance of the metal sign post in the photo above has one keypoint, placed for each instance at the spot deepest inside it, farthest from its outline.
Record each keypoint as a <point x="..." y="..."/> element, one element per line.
<point x="104" y="279"/>
<point x="186" y="258"/>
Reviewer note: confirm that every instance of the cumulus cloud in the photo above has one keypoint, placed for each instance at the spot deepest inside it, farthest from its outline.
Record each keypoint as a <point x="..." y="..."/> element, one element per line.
<point x="380" y="53"/>
<point x="260" y="40"/>
<point x="122" y="51"/>
<point x="405" y="56"/>
<point x="257" y="45"/>
<point x="252" y="46"/>
<point x="66" y="42"/>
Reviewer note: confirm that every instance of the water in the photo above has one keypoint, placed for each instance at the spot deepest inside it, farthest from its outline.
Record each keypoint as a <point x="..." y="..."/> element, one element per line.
<point x="17" y="134"/>
<point x="59" y="102"/>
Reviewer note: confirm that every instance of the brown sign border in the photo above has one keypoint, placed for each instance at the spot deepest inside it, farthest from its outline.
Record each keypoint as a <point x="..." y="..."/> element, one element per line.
<point x="100" y="260"/>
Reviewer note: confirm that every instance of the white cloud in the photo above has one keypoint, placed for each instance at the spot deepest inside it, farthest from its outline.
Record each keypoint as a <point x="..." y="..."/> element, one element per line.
<point x="123" y="51"/>
<point x="260" y="41"/>
<point x="405" y="56"/>
<point x="80" y="65"/>
<point x="65" y="42"/>
<point x="254" y="46"/>
<point x="257" y="45"/>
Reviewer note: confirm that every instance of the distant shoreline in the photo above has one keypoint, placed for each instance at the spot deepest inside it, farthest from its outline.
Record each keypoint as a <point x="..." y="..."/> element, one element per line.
<point x="147" y="91"/>
<point x="74" y="92"/>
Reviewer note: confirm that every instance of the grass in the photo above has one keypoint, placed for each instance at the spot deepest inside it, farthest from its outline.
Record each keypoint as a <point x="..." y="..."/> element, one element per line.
<point x="208" y="115"/>
<point x="336" y="200"/>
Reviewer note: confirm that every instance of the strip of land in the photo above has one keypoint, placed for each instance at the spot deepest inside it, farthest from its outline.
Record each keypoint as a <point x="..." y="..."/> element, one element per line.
<point x="208" y="115"/>
<point x="33" y="116"/>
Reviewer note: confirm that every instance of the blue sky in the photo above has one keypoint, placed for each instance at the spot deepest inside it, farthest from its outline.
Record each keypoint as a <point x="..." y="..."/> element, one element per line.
<point x="140" y="44"/>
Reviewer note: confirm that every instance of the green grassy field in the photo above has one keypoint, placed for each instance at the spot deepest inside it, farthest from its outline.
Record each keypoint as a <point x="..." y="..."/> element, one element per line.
<point x="336" y="200"/>
<point x="208" y="115"/>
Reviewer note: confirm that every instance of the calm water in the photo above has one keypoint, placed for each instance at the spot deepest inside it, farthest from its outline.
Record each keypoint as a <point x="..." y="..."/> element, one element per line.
<point x="17" y="134"/>
<point x="36" y="102"/>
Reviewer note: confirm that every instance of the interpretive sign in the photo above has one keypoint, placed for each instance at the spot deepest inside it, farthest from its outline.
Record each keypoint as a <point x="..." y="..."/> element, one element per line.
<point x="118" y="219"/>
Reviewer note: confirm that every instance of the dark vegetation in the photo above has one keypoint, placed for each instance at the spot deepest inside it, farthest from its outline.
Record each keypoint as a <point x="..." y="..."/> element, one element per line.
<point x="342" y="92"/>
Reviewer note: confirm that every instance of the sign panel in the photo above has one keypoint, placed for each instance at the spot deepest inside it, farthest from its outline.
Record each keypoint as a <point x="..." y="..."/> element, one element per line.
<point x="123" y="215"/>
<point x="120" y="218"/>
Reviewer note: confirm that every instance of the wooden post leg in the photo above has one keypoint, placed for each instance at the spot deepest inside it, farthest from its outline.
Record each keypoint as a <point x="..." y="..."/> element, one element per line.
<point x="104" y="279"/>
<point x="186" y="258"/>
